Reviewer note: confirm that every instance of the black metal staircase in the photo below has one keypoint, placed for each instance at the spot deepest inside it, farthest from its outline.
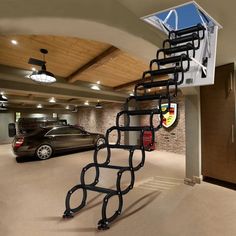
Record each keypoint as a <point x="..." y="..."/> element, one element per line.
<point x="176" y="59"/>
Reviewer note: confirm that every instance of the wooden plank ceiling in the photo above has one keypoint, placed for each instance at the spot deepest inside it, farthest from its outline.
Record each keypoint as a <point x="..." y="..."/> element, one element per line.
<point x="73" y="58"/>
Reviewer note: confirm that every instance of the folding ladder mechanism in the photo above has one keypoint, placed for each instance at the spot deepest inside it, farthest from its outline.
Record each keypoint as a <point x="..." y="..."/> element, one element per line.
<point x="173" y="60"/>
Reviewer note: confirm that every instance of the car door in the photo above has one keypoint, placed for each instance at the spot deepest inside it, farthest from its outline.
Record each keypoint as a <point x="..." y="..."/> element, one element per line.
<point x="61" y="138"/>
<point x="81" y="138"/>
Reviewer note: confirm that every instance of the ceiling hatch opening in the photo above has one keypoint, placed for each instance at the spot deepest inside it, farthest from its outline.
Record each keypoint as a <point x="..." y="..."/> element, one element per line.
<point x="185" y="18"/>
<point x="180" y="17"/>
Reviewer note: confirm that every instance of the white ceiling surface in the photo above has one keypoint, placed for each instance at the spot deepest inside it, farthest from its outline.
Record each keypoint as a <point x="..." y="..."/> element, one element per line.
<point x="115" y="22"/>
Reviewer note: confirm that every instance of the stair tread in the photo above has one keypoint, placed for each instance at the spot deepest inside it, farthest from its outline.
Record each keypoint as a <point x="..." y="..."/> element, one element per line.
<point x="99" y="189"/>
<point x="124" y="146"/>
<point x="183" y="39"/>
<point x="114" y="167"/>
<point x="132" y="128"/>
<point x="188" y="30"/>
<point x="149" y="97"/>
<point x="141" y="112"/>
<point x="168" y="60"/>
<point x="181" y="48"/>
<point x="163" y="71"/>
<point x="155" y="84"/>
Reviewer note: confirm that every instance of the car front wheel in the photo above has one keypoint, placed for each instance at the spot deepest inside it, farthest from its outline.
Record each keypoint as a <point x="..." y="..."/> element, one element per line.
<point x="44" y="152"/>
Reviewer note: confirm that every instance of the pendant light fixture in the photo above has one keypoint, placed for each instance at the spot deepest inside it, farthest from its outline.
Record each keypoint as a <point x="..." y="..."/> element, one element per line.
<point x="3" y="98"/>
<point x="3" y="107"/>
<point x="42" y="76"/>
<point x="98" y="105"/>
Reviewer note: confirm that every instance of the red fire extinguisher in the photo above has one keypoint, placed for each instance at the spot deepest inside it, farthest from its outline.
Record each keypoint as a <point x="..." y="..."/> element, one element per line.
<point x="147" y="140"/>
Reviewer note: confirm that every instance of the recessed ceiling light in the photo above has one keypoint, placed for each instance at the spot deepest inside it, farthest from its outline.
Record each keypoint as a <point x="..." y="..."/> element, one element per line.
<point x="39" y="106"/>
<point x="98" y="82"/>
<point x="52" y="100"/>
<point x="149" y="90"/>
<point x="28" y="76"/>
<point x="33" y="69"/>
<point x="95" y="87"/>
<point x="86" y="103"/>
<point x="14" y="42"/>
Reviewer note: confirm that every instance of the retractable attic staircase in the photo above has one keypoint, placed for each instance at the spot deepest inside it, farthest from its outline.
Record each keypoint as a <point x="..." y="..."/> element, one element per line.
<point x="175" y="55"/>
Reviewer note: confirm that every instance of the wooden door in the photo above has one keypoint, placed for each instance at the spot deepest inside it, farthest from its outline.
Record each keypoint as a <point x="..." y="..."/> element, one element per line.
<point x="218" y="126"/>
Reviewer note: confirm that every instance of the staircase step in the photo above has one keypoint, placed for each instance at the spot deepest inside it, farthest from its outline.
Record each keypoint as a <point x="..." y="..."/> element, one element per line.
<point x="155" y="84"/>
<point x="99" y="189"/>
<point x="183" y="39"/>
<point x="181" y="48"/>
<point x="124" y="146"/>
<point x="196" y="28"/>
<point x="169" y="60"/>
<point x="147" y="97"/>
<point x="114" y="167"/>
<point x="140" y="112"/>
<point x="164" y="71"/>
<point x="133" y="128"/>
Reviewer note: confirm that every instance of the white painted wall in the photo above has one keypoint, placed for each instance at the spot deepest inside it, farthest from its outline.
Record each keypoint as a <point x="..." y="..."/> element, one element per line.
<point x="5" y="119"/>
<point x="71" y="118"/>
<point x="193" y="137"/>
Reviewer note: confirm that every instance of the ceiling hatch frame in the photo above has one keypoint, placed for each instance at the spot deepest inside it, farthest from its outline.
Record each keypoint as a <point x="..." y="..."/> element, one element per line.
<point x="202" y="66"/>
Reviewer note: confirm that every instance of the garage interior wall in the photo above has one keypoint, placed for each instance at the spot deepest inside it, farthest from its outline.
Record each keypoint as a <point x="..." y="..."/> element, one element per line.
<point x="99" y="120"/>
<point x="5" y="119"/>
<point x="171" y="140"/>
<point x="48" y="114"/>
<point x="9" y="117"/>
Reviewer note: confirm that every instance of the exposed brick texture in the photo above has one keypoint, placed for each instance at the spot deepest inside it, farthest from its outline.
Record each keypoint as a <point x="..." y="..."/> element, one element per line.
<point x="172" y="139"/>
<point x="99" y="120"/>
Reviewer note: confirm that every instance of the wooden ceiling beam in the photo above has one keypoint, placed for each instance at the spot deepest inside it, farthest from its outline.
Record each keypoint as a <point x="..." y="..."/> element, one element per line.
<point x="72" y="99"/>
<point x="97" y="61"/>
<point x="30" y="96"/>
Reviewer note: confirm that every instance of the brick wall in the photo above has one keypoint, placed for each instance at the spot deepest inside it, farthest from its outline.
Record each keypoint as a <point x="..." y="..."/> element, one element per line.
<point x="99" y="120"/>
<point x="172" y="139"/>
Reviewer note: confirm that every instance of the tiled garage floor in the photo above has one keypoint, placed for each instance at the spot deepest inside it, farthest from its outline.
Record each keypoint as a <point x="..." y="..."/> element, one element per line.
<point x="32" y="199"/>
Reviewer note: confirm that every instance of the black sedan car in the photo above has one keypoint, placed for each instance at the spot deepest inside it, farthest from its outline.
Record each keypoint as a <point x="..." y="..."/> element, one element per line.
<point x="44" y="142"/>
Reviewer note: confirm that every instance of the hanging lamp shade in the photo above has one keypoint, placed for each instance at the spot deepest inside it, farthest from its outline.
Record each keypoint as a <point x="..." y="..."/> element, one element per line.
<point x="3" y="99"/>
<point x="98" y="105"/>
<point x="3" y="107"/>
<point x="42" y="76"/>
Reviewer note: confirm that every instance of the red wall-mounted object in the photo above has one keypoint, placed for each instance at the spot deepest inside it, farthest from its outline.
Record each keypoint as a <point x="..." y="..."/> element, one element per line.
<point x="147" y="140"/>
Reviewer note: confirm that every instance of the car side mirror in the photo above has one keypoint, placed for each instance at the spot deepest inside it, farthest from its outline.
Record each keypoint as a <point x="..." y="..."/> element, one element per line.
<point x="11" y="130"/>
